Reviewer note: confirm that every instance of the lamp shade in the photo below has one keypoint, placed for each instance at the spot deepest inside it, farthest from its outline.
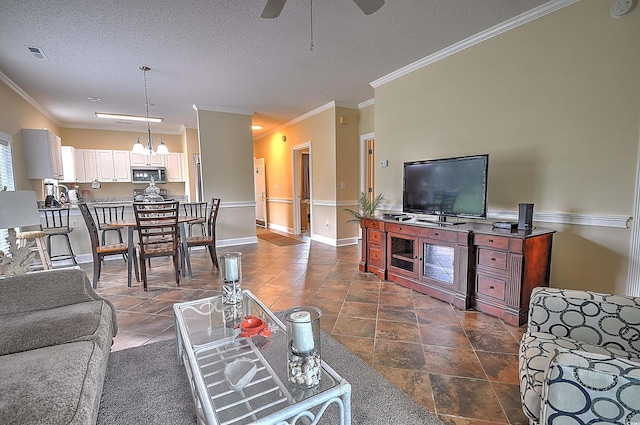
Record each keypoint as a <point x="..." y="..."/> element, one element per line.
<point x="162" y="149"/>
<point x="18" y="208"/>
<point x="138" y="147"/>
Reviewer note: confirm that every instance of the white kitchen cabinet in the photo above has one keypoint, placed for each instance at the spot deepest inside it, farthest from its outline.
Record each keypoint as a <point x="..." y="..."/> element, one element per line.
<point x="113" y="166"/>
<point x="122" y="165"/>
<point x="43" y="154"/>
<point x="68" y="164"/>
<point x="173" y="163"/>
<point x="144" y="160"/>
<point x="79" y="165"/>
<point x="90" y="165"/>
<point x="73" y="165"/>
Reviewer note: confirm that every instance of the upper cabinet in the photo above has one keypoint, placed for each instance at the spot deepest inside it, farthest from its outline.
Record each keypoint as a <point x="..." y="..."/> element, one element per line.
<point x="73" y="165"/>
<point x="43" y="154"/>
<point x="141" y="159"/>
<point x="90" y="165"/>
<point x="113" y="166"/>
<point x="173" y="163"/>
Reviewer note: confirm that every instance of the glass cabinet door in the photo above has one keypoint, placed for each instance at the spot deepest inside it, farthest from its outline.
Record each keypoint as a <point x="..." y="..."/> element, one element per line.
<point x="403" y="253"/>
<point x="438" y="262"/>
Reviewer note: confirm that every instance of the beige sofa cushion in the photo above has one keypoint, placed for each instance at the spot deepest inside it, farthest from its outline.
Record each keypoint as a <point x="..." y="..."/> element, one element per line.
<point x="60" y="384"/>
<point x="36" y="329"/>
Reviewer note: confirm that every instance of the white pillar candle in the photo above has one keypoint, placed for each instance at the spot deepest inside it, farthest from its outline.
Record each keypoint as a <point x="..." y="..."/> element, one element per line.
<point x="302" y="331"/>
<point x="231" y="269"/>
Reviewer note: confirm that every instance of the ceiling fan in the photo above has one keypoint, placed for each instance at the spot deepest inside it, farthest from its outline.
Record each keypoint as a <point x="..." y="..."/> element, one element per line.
<point x="273" y="7"/>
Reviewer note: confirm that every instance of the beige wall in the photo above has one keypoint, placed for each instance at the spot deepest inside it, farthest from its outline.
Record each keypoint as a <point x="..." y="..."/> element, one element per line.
<point x="226" y="147"/>
<point x="555" y="103"/>
<point x="367" y="116"/>
<point x="190" y="147"/>
<point x="334" y="160"/>
<point x="347" y="170"/>
<point x="16" y="114"/>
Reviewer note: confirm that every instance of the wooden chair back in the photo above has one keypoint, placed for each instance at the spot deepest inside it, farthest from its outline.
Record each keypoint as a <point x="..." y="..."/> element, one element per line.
<point x="213" y="216"/>
<point x="106" y="215"/>
<point x="91" y="226"/>
<point x="157" y="224"/>
<point x="195" y="209"/>
<point x="158" y="233"/>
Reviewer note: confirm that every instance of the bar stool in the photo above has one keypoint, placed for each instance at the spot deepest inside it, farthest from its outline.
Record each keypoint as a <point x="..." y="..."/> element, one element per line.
<point x="57" y="224"/>
<point x="38" y="237"/>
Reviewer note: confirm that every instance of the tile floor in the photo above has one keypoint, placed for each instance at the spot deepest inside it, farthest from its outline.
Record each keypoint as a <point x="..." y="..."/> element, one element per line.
<point x="461" y="365"/>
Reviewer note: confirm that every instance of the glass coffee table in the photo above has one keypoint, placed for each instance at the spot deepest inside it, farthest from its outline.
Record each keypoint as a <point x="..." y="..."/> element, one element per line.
<point x="207" y="342"/>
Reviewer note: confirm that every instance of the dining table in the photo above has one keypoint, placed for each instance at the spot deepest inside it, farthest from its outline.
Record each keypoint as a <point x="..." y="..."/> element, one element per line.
<point x="132" y="225"/>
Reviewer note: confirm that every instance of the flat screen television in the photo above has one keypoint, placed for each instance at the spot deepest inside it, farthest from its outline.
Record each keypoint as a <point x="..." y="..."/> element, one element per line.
<point x="447" y="187"/>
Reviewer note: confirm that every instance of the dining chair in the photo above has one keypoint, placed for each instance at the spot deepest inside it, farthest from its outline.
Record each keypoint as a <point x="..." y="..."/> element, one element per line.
<point x="158" y="234"/>
<point x="208" y="240"/>
<point x="100" y="251"/>
<point x="57" y="224"/>
<point x="105" y="216"/>
<point x="196" y="209"/>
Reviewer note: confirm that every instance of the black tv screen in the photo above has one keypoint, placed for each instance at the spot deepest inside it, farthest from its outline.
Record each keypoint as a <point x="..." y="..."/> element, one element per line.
<point x="455" y="187"/>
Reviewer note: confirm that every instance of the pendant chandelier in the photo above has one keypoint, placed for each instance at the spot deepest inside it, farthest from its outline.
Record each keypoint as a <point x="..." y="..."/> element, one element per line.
<point x="144" y="144"/>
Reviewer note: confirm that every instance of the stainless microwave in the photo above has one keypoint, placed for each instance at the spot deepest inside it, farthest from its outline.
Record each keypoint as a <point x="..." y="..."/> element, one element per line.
<point x="144" y="174"/>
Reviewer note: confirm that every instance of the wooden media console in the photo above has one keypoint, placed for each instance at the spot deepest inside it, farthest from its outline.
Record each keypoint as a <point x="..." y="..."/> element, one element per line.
<point x="470" y="265"/>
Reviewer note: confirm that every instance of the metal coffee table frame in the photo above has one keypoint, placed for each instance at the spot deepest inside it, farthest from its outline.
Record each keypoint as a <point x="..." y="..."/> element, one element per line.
<point x="206" y="342"/>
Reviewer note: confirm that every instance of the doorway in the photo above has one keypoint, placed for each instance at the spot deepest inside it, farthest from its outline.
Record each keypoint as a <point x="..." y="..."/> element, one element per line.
<point x="302" y="160"/>
<point x="260" y="188"/>
<point x="367" y="165"/>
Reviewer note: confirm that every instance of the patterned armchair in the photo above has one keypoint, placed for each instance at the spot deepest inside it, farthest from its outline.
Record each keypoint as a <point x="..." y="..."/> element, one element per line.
<point x="580" y="358"/>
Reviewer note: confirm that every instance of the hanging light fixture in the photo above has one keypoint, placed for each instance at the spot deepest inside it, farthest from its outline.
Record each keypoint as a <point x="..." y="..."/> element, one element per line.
<point x="147" y="146"/>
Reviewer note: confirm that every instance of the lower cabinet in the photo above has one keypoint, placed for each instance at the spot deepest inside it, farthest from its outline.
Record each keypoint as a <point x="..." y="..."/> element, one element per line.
<point x="373" y="257"/>
<point x="431" y="261"/>
<point x="507" y="270"/>
<point x="470" y="266"/>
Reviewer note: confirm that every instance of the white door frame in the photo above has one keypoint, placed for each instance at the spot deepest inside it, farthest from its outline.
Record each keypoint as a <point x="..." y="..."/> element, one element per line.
<point x="296" y="186"/>
<point x="363" y="159"/>
<point x="261" y="203"/>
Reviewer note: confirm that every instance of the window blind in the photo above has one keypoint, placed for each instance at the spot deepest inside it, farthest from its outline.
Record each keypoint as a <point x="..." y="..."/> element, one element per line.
<point x="6" y="179"/>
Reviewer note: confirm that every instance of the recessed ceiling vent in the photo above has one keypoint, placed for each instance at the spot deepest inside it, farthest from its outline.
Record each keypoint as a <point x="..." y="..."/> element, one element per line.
<point x="38" y="53"/>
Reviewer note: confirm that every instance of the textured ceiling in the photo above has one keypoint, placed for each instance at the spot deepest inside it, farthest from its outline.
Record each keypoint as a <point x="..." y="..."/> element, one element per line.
<point x="221" y="54"/>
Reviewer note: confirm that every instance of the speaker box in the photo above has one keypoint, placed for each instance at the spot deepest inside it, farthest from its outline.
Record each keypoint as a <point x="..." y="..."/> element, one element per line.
<point x="525" y="216"/>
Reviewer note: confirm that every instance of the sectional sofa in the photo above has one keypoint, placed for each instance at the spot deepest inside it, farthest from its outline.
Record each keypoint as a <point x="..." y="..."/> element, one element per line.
<point x="55" y="337"/>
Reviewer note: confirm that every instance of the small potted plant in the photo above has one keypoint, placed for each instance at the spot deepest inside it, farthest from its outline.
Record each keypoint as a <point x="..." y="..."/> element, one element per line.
<point x="368" y="207"/>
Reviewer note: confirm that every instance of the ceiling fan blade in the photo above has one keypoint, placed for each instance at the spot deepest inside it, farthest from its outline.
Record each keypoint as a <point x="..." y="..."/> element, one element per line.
<point x="273" y="8"/>
<point x="369" y="6"/>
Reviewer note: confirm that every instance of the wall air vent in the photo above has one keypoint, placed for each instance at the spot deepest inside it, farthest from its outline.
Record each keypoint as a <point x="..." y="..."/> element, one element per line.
<point x="37" y="52"/>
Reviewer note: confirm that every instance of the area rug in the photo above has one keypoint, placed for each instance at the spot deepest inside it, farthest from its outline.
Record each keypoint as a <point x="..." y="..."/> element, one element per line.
<point x="279" y="240"/>
<point x="145" y="385"/>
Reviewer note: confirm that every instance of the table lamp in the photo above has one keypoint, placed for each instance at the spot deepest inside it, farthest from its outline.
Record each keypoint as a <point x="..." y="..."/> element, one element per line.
<point x="18" y="208"/>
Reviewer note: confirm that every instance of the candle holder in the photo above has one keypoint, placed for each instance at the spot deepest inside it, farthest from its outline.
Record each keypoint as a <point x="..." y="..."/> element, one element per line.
<point x="231" y="272"/>
<point x="303" y="348"/>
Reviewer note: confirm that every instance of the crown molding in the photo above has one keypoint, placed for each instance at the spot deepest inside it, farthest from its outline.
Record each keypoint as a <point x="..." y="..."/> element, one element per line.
<point x="367" y="103"/>
<point x="224" y="109"/>
<point x="505" y="26"/>
<point x="13" y="86"/>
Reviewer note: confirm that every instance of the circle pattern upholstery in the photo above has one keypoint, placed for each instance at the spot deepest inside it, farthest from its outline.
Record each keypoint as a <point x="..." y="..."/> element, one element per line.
<point x="580" y="358"/>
